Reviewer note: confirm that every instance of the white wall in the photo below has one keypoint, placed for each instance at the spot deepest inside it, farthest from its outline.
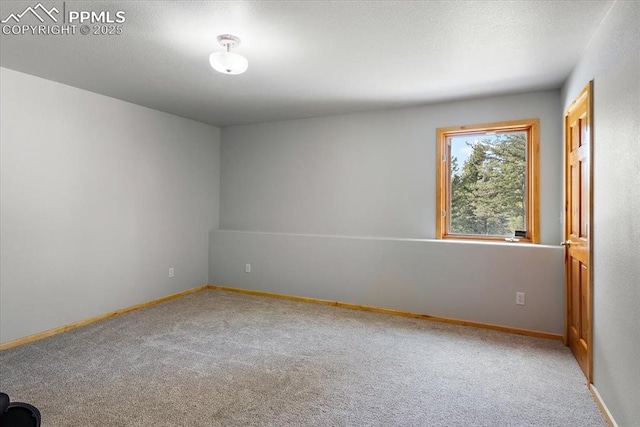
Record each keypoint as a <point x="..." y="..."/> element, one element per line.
<point x="373" y="174"/>
<point x="99" y="198"/>
<point x="613" y="62"/>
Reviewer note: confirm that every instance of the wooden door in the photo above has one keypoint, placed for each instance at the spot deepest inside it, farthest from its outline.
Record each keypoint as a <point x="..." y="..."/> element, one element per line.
<point x="578" y="231"/>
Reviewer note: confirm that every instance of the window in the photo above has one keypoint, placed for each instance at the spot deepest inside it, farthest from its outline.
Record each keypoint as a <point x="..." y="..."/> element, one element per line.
<point x="487" y="182"/>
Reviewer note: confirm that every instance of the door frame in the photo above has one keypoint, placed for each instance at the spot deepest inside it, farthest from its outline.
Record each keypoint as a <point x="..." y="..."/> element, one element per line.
<point x="587" y="92"/>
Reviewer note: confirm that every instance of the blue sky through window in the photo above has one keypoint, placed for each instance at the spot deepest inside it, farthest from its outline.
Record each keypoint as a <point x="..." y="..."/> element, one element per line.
<point x="461" y="149"/>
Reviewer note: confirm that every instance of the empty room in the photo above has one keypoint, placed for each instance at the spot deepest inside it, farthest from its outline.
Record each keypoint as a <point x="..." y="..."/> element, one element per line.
<point x="320" y="213"/>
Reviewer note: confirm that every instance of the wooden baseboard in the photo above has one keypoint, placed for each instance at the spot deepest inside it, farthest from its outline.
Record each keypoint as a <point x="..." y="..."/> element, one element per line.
<point x="603" y="408"/>
<point x="351" y="306"/>
<point x="65" y="328"/>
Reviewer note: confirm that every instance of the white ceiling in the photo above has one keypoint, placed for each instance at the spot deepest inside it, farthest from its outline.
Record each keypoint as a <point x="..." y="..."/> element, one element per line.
<point x="312" y="58"/>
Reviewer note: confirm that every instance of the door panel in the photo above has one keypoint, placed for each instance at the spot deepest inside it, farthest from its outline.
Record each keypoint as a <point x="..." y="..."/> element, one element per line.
<point x="578" y="130"/>
<point x="584" y="303"/>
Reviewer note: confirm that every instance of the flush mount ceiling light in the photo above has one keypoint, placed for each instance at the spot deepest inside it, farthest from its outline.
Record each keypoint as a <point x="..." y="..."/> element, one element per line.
<point x="228" y="62"/>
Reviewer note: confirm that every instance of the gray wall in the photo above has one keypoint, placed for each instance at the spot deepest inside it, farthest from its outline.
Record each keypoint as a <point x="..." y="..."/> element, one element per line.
<point x="301" y="195"/>
<point x="368" y="174"/>
<point x="613" y="61"/>
<point x="472" y="281"/>
<point x="99" y="198"/>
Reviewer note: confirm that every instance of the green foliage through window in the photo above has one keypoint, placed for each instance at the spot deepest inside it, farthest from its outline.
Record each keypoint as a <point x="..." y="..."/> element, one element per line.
<point x="488" y="183"/>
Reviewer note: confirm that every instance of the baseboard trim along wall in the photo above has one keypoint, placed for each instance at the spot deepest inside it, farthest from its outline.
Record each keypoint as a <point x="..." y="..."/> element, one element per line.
<point x="65" y="328"/>
<point x="351" y="306"/>
<point x="602" y="406"/>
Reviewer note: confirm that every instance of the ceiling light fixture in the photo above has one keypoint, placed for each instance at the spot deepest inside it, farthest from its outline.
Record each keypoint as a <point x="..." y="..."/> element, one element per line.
<point x="228" y="62"/>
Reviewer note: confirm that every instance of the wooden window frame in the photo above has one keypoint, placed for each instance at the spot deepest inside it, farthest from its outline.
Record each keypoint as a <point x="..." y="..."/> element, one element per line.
<point x="443" y="179"/>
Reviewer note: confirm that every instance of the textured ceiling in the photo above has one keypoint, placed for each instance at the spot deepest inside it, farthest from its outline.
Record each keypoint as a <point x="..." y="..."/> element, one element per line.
<point x="311" y="58"/>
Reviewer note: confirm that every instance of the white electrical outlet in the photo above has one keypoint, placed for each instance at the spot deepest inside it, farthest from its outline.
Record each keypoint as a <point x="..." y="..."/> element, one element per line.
<point x="520" y="298"/>
<point x="247" y="268"/>
<point x="172" y="272"/>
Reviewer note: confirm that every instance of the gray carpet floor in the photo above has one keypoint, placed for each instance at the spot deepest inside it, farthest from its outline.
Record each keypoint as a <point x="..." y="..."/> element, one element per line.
<point x="222" y="359"/>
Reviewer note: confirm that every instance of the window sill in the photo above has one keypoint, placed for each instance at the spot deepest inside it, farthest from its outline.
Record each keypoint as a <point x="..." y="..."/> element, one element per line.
<point x="430" y="240"/>
<point x="488" y="239"/>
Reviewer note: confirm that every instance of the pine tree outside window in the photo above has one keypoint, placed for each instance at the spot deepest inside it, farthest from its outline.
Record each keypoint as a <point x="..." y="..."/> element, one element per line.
<point x="487" y="182"/>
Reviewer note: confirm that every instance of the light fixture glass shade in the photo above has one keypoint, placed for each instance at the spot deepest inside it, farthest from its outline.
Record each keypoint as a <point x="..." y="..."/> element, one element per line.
<point x="228" y="62"/>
